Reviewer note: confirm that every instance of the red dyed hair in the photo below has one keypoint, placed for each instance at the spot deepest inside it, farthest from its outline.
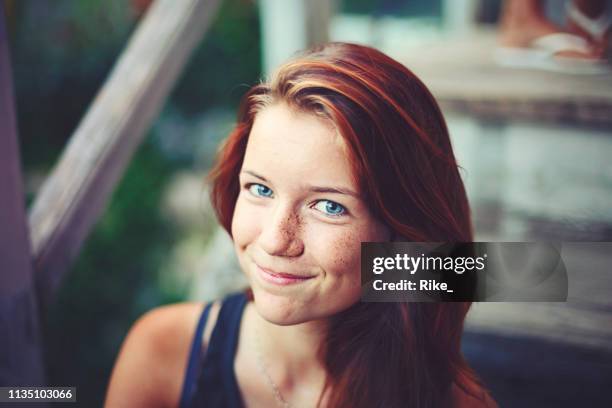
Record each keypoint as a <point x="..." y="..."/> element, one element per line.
<point x="376" y="354"/>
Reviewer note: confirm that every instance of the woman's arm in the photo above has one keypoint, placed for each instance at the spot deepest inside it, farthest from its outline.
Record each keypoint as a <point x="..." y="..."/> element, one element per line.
<point x="150" y="368"/>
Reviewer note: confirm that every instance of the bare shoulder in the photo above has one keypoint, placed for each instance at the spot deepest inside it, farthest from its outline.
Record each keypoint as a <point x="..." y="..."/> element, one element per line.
<point x="475" y="397"/>
<point x="151" y="364"/>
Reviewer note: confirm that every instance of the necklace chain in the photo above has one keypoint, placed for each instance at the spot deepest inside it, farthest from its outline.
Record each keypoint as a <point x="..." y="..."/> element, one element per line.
<point x="262" y="368"/>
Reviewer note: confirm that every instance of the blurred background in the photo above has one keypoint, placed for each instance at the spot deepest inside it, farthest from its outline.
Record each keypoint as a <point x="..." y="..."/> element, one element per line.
<point x="535" y="149"/>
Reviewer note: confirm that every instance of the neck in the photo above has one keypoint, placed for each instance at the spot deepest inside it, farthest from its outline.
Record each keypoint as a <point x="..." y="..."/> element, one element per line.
<point x="295" y="347"/>
<point x="290" y="355"/>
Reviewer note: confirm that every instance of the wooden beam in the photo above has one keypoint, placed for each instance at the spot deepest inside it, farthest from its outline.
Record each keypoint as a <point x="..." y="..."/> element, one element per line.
<point x="20" y="351"/>
<point x="97" y="154"/>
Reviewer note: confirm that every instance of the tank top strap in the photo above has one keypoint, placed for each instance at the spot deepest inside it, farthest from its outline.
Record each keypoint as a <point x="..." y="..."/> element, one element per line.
<point x="216" y="384"/>
<point x="195" y="356"/>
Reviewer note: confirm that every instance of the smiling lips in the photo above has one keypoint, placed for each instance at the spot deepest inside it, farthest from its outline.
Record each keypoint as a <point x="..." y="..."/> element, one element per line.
<point x="280" y="278"/>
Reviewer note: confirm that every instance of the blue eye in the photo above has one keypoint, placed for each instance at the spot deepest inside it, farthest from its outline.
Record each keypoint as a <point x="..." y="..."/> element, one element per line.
<point x="330" y="208"/>
<point x="259" y="190"/>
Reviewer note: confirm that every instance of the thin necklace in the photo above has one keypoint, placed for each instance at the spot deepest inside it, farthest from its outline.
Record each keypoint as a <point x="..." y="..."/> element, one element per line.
<point x="262" y="368"/>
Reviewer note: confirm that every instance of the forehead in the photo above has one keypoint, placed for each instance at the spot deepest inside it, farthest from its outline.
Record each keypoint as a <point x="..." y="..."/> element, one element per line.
<point x="285" y="142"/>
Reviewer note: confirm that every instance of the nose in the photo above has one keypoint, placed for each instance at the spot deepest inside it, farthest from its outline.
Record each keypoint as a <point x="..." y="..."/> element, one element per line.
<point x="281" y="232"/>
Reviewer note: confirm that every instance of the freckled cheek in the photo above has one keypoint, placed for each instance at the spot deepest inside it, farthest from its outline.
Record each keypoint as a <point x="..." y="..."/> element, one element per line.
<point x="339" y="254"/>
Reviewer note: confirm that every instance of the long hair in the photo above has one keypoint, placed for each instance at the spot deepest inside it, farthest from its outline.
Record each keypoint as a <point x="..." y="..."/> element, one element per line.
<point x="376" y="354"/>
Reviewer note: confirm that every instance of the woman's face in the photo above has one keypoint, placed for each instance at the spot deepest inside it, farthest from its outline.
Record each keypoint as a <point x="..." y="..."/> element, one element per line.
<point x="299" y="220"/>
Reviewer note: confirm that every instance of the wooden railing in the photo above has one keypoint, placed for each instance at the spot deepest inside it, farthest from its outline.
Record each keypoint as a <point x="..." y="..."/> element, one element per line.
<point x="76" y="192"/>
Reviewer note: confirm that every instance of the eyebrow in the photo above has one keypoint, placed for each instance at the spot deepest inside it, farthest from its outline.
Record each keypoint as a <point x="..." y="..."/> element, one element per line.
<point x="335" y="190"/>
<point x="315" y="189"/>
<point x="252" y="173"/>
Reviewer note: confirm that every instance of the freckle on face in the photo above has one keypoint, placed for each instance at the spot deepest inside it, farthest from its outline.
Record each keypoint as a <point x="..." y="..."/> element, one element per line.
<point x="343" y="246"/>
<point x="295" y="223"/>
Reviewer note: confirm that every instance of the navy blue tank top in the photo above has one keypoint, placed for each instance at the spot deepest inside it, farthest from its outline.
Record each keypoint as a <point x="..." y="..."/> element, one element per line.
<point x="210" y="380"/>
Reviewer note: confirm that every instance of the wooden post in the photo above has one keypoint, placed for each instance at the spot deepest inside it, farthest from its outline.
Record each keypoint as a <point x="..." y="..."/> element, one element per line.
<point x="289" y="26"/>
<point x="459" y="15"/>
<point x="20" y="351"/>
<point x="77" y="190"/>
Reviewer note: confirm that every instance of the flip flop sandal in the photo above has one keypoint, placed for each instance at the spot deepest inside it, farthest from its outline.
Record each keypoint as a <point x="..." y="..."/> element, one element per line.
<point x="541" y="54"/>
<point x="595" y="27"/>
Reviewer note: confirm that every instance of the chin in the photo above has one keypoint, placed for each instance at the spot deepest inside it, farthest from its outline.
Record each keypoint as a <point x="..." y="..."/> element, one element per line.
<point x="279" y="309"/>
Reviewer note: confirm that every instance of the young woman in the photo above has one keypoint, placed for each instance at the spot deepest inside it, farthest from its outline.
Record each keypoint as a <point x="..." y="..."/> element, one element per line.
<point x="343" y="145"/>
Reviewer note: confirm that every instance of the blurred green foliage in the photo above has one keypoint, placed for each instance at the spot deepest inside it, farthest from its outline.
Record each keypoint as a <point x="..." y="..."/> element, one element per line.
<point x="228" y="58"/>
<point x="62" y="51"/>
<point x="403" y="8"/>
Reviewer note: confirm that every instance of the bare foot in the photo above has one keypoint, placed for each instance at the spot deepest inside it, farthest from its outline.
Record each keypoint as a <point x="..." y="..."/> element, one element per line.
<point x="523" y="22"/>
<point x="520" y="33"/>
